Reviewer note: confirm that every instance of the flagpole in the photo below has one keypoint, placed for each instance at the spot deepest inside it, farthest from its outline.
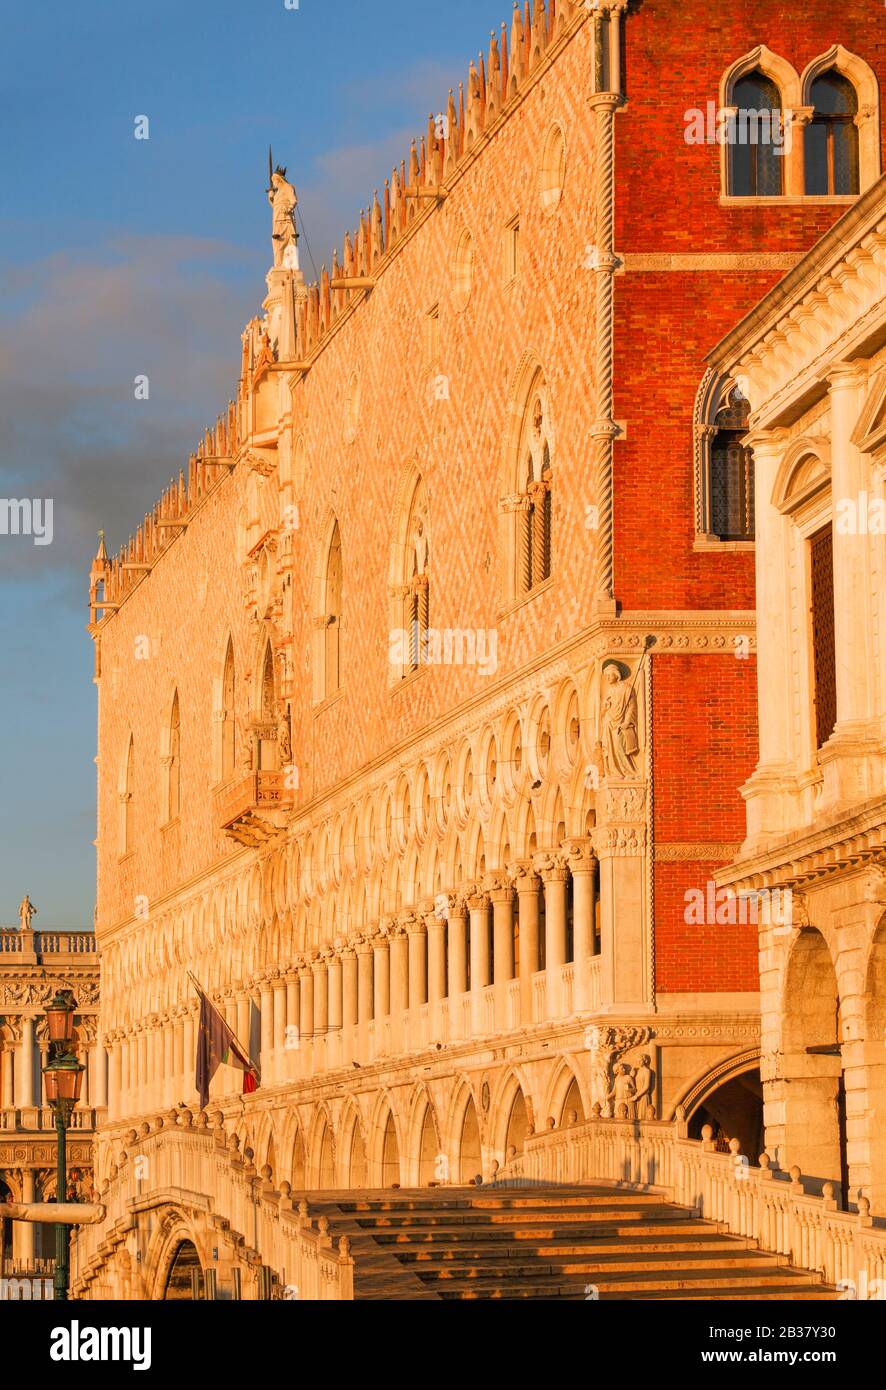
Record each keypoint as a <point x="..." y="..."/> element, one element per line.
<point x="243" y="1050"/>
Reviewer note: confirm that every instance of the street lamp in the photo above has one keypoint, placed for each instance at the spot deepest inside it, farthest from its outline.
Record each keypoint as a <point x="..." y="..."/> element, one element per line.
<point x="63" y="1078"/>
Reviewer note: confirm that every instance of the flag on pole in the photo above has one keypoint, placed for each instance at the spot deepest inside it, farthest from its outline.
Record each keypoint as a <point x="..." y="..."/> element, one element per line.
<point x="217" y="1046"/>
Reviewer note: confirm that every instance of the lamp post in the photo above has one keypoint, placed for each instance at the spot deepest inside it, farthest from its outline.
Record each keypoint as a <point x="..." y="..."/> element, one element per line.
<point x="63" y="1077"/>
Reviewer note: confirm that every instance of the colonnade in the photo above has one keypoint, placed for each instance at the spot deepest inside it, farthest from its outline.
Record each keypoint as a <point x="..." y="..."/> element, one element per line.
<point x="519" y="948"/>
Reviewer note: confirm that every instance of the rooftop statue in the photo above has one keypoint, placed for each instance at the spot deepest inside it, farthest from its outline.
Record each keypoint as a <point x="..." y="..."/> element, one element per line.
<point x="26" y="910"/>
<point x="282" y="198"/>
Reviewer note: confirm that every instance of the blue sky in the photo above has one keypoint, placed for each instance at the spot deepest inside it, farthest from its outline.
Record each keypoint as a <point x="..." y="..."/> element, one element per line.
<point x="120" y="257"/>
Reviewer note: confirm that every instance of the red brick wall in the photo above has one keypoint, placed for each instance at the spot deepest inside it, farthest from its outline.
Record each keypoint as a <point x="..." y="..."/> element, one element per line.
<point x="668" y="196"/>
<point x="704" y="748"/>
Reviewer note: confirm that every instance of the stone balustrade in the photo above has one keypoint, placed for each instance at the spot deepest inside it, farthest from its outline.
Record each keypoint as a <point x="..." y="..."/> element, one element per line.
<point x="164" y="1164"/>
<point x="759" y="1203"/>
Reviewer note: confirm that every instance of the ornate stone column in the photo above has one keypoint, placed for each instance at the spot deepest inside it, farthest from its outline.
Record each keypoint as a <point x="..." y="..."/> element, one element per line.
<point x="292" y="1051"/>
<point x="381" y="976"/>
<point x="266" y="1005"/>
<point x="168" y="1078"/>
<point x="115" y="1058"/>
<point x="457" y="925"/>
<point x="555" y="876"/>
<point x="366" y="984"/>
<point x="306" y="1014"/>
<point x="399" y="955"/>
<point x="278" y="986"/>
<point x="6" y="1086"/>
<point x="334" y="1008"/>
<point x="527" y="884"/>
<point x="583" y="866"/>
<point x="435" y="928"/>
<point x="478" y="906"/>
<point x="189" y="1044"/>
<point x="178" y="1053"/>
<point x="25" y="1068"/>
<point x="502" y="897"/>
<point x="418" y="962"/>
<point x="321" y="994"/>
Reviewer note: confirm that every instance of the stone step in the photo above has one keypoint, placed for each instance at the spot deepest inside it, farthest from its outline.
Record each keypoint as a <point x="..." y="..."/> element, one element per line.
<point x="481" y="1244"/>
<point x="525" y="1217"/>
<point x="531" y="1234"/>
<point x="653" y="1282"/>
<point x="465" y="1266"/>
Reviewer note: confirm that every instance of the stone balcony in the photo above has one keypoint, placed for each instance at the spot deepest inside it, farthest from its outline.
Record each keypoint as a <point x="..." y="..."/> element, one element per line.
<point x="253" y="809"/>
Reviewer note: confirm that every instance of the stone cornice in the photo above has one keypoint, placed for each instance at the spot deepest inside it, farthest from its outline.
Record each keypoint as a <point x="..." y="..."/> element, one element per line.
<point x="847" y="845"/>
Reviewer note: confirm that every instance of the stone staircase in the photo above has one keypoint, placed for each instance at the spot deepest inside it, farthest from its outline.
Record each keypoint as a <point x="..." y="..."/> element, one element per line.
<point x="549" y="1242"/>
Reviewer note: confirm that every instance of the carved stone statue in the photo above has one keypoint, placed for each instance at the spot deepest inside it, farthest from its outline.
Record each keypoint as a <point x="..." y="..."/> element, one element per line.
<point x="622" y="1093"/>
<point x="284" y="741"/>
<point x="26" y="910"/>
<point x="282" y="198"/>
<point x="644" y="1084"/>
<point x="619" y="725"/>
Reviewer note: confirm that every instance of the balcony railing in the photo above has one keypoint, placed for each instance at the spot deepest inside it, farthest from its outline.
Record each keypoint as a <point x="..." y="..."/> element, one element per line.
<point x="14" y="942"/>
<point x="28" y="1118"/>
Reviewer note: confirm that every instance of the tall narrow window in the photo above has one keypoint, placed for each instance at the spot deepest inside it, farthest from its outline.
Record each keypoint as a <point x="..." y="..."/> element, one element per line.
<point x="832" y="137"/>
<point x="127" y="774"/>
<point x="228" y="747"/>
<point x="332" y="646"/>
<point x="268" y="749"/>
<point x="757" y="148"/>
<point x="732" y="472"/>
<point x="823" y="644"/>
<point x="173" y="768"/>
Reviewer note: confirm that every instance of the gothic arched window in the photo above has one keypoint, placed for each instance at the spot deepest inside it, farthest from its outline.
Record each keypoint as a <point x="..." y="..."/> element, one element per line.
<point x="228" y="716"/>
<point x="732" y="472"/>
<point x="126" y="788"/>
<point x="757" y="150"/>
<point x="328" y="617"/>
<point x="173" y="761"/>
<point x="831" y="153"/>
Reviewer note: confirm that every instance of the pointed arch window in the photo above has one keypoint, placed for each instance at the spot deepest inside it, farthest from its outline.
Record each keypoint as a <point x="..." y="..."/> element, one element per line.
<point x="757" y="152"/>
<point x="173" y="761"/>
<point x="228" y="716"/>
<point x="328" y="618"/>
<point x="831" y="153"/>
<point x="126" y="789"/>
<point x="409" y="581"/>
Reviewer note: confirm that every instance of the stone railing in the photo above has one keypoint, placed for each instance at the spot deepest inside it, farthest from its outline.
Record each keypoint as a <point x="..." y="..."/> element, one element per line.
<point x="14" y="942"/>
<point x="155" y="1181"/>
<point x="760" y="1203"/>
<point x="37" y="1117"/>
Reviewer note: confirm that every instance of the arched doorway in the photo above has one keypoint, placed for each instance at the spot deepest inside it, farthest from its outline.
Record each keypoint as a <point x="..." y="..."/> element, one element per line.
<point x="185" y="1278"/>
<point x="429" y="1169"/>
<point x="734" y="1110"/>
<point x="518" y="1124"/>
<point x="814" y="1090"/>
<point x="390" y="1160"/>
<point x="470" y="1163"/>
